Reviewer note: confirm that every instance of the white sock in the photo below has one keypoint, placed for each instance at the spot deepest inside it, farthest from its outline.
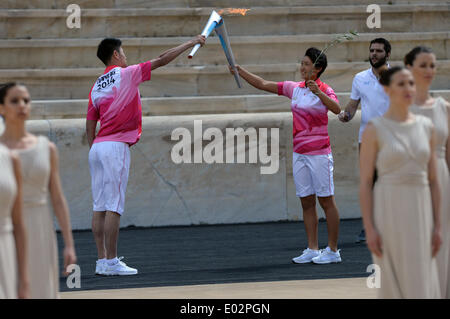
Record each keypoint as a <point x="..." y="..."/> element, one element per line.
<point x="101" y="260"/>
<point x="112" y="261"/>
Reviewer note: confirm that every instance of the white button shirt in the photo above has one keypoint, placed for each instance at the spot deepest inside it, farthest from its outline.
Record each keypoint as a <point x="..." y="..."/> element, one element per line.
<point x="374" y="101"/>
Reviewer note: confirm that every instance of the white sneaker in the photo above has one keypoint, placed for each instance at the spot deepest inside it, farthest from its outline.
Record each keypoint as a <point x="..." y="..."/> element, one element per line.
<point x="119" y="269"/>
<point x="100" y="267"/>
<point x="327" y="256"/>
<point x="306" y="256"/>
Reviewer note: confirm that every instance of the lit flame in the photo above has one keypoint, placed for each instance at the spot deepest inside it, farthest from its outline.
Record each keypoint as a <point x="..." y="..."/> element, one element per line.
<point x="233" y="11"/>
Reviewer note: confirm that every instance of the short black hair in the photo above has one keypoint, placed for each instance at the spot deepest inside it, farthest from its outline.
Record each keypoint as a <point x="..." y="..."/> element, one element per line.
<point x="106" y="49"/>
<point x="4" y="88"/>
<point x="387" y="45"/>
<point x="411" y="56"/>
<point x="314" y="53"/>
<point x="386" y="76"/>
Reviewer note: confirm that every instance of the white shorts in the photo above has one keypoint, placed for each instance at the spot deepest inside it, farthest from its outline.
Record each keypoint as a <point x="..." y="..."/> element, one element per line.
<point x="109" y="163"/>
<point x="313" y="174"/>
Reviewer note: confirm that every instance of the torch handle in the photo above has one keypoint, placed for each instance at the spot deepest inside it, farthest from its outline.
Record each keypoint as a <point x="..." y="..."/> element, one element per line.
<point x="236" y="76"/>
<point x="194" y="49"/>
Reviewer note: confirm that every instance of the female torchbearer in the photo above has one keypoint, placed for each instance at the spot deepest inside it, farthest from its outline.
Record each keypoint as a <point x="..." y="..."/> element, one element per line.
<point x="312" y="158"/>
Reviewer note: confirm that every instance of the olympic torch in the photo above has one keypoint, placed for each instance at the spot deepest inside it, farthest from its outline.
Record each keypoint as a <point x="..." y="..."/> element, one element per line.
<point x="214" y="19"/>
<point x="221" y="31"/>
<point x="216" y="23"/>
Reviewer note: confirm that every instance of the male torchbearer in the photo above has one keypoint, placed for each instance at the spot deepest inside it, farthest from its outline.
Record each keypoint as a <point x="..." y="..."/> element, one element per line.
<point x="115" y="101"/>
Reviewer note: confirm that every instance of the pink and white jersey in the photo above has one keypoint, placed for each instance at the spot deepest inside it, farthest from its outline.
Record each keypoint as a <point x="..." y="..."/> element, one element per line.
<point x="115" y="101"/>
<point x="310" y="127"/>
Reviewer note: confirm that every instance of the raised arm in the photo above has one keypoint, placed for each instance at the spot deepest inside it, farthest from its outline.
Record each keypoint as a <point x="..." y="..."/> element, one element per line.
<point x="169" y="55"/>
<point x="20" y="235"/>
<point x="61" y="209"/>
<point x="256" y="81"/>
<point x="367" y="160"/>
<point x="350" y="111"/>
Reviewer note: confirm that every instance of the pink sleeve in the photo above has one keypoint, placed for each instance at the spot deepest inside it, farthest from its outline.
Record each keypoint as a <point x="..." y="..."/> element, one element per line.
<point x="330" y="93"/>
<point x="138" y="73"/>
<point x="92" y="113"/>
<point x="146" y="68"/>
<point x="286" y="88"/>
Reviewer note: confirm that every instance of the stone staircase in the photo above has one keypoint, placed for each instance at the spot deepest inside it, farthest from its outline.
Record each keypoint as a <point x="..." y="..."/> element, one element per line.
<point x="59" y="66"/>
<point x="60" y="63"/>
<point x="118" y="4"/>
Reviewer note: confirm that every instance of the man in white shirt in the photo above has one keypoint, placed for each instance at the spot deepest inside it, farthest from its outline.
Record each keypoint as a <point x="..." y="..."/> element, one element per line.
<point x="367" y="90"/>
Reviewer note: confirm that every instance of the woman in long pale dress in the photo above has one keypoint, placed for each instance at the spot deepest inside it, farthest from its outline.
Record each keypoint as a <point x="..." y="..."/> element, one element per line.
<point x="401" y="213"/>
<point x="421" y="61"/>
<point x="40" y="172"/>
<point x="14" y="282"/>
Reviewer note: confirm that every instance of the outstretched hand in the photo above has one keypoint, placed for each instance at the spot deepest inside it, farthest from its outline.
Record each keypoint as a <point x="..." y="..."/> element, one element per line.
<point x="232" y="70"/>
<point x="200" y="39"/>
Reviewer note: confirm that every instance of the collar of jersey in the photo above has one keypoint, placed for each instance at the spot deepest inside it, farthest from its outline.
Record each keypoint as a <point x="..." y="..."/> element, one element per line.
<point x="109" y="68"/>
<point x="319" y="84"/>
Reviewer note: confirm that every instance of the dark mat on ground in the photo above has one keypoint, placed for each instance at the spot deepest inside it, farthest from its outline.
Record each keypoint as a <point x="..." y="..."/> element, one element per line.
<point x="210" y="254"/>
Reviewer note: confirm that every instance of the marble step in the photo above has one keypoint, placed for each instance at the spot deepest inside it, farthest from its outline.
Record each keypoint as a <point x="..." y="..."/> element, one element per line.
<point x="187" y="105"/>
<point x="62" y="4"/>
<point x="81" y="53"/>
<point x="67" y="83"/>
<point x="176" y="22"/>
